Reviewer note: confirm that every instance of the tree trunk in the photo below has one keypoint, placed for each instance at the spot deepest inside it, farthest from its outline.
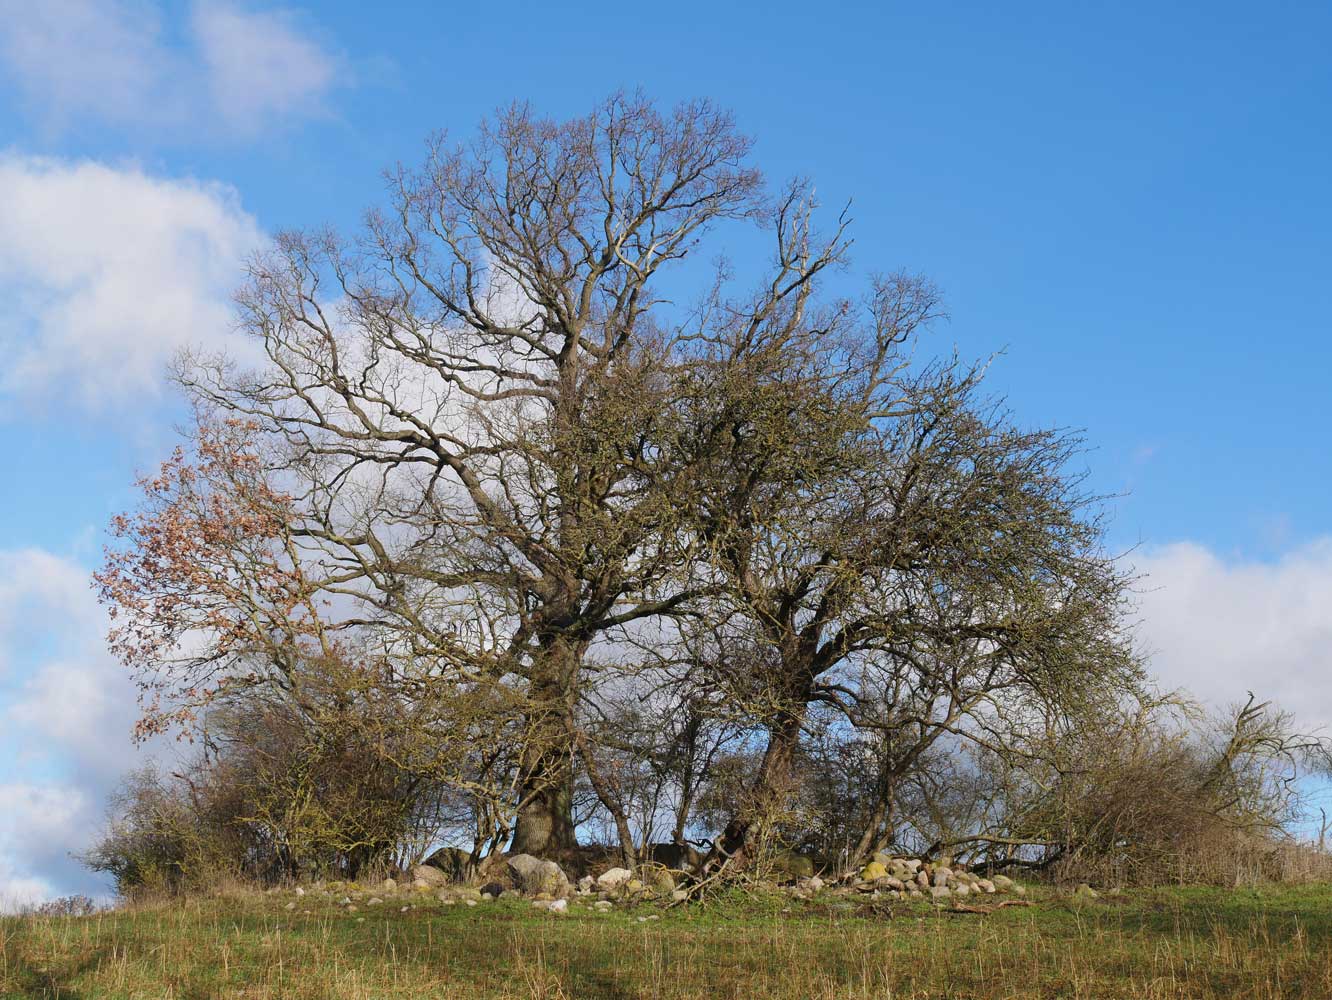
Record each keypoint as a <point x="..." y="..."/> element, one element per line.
<point x="750" y="826"/>
<point x="545" y="814"/>
<point x="612" y="805"/>
<point x="545" y="819"/>
<point x="746" y="832"/>
<point x="874" y="837"/>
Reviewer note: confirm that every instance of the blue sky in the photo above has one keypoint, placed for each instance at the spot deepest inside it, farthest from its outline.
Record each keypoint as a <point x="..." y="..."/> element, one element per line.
<point x="1131" y="203"/>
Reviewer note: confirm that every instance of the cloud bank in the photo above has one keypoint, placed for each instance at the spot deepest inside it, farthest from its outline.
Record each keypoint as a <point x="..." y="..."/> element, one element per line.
<point x="66" y="712"/>
<point x="1222" y="627"/>
<point x="232" y="71"/>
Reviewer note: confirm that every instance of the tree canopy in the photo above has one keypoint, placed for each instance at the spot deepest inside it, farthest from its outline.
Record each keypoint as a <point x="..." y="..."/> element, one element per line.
<point x="562" y="532"/>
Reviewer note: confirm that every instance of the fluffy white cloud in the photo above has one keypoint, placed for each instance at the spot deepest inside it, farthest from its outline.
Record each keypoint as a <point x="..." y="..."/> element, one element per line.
<point x="239" y="72"/>
<point x="1221" y="627"/>
<point x="16" y="891"/>
<point x="77" y="56"/>
<point x="82" y="710"/>
<point x="108" y="271"/>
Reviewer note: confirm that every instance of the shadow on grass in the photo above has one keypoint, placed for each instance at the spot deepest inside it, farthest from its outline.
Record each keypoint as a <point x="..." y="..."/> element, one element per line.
<point x="601" y="985"/>
<point x="1195" y="915"/>
<point x="53" y="983"/>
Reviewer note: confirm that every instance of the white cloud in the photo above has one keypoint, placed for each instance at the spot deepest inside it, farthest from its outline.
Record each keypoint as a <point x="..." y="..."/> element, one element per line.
<point x="84" y="708"/>
<point x="40" y="594"/>
<point x="108" y="271"/>
<point x="66" y="715"/>
<point x="63" y="690"/>
<point x="238" y="72"/>
<point x="259" y="66"/>
<point x="17" y="892"/>
<point x="1221" y="627"/>
<point x="82" y="56"/>
<point x="41" y="825"/>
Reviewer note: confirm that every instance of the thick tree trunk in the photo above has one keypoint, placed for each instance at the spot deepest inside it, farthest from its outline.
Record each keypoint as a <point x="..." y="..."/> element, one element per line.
<point x="771" y="791"/>
<point x="545" y="814"/>
<point x="545" y="819"/>
<point x="767" y="798"/>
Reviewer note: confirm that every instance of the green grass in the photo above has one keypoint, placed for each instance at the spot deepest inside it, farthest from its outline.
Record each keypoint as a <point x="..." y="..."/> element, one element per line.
<point x="1194" y="944"/>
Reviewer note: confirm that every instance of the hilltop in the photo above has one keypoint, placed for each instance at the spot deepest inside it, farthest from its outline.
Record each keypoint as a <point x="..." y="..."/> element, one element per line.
<point x="1184" y="943"/>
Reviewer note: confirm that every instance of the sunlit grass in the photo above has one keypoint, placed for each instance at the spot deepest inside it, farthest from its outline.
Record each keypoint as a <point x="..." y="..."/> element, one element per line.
<point x="1192" y="944"/>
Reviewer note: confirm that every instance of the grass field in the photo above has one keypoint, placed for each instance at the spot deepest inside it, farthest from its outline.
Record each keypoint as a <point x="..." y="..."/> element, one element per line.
<point x="1195" y="944"/>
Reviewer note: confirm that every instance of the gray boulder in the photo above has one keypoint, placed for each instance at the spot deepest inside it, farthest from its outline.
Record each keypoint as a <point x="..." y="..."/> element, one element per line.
<point x="535" y="876"/>
<point x="660" y="879"/>
<point x="614" y="878"/>
<point x="430" y="875"/>
<point x="454" y="862"/>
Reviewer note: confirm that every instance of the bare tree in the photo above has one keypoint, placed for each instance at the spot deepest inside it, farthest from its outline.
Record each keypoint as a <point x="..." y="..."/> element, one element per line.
<point x="467" y="402"/>
<point x="1144" y="789"/>
<point x="492" y="453"/>
<point x="915" y="563"/>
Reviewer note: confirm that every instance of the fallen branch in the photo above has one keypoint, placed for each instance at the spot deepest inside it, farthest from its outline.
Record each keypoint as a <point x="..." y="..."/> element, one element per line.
<point x="983" y="910"/>
<point x="697" y="889"/>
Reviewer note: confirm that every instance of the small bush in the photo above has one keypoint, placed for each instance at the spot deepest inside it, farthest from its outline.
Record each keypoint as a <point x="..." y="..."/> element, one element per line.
<point x="160" y="840"/>
<point x="64" y="906"/>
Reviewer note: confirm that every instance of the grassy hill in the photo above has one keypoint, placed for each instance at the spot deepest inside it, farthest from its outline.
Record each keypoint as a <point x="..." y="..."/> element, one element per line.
<point x="1187" y="943"/>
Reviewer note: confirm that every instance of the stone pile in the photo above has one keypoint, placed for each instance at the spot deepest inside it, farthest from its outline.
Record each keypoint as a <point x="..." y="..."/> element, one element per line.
<point x="913" y="878"/>
<point x="546" y="886"/>
<point x="542" y="882"/>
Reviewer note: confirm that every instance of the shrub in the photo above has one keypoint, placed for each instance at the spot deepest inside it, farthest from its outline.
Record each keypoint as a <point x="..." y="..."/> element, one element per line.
<point x="64" y="906"/>
<point x="162" y="839"/>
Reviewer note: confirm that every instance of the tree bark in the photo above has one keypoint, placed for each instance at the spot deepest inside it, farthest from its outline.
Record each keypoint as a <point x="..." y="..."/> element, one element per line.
<point x="545" y="819"/>
<point x="874" y="836"/>
<point x="545" y="813"/>
<point x="628" y="854"/>
<point x="749" y="827"/>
